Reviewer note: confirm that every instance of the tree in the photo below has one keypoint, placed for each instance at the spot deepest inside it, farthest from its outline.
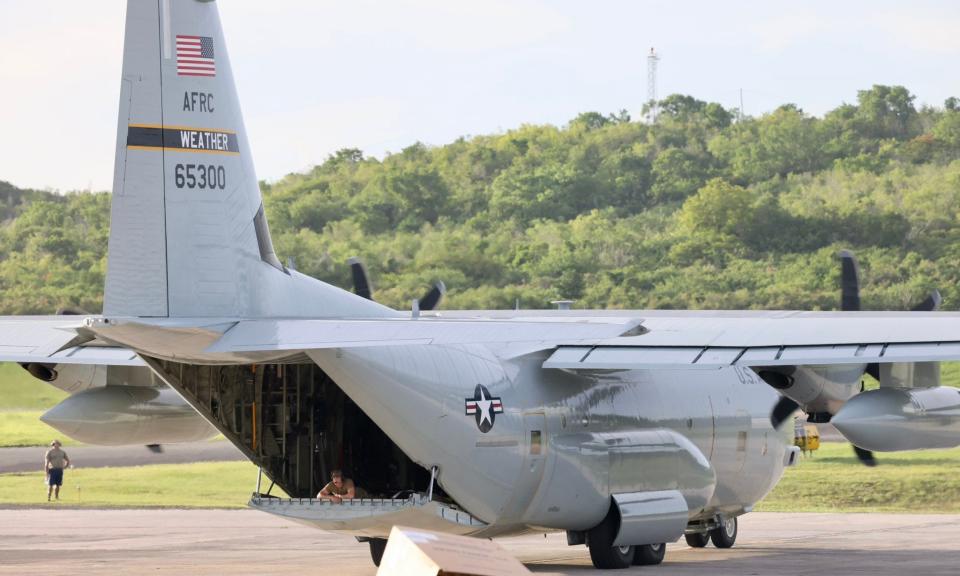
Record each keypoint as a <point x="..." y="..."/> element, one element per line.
<point x="886" y="112"/>
<point x="677" y="174"/>
<point x="590" y="120"/>
<point x="786" y="141"/>
<point x="687" y="109"/>
<point x="719" y="207"/>
<point x="947" y="130"/>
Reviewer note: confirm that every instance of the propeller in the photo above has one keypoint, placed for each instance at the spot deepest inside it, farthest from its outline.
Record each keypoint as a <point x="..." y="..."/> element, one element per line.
<point x="849" y="281"/>
<point x="850" y="297"/>
<point x="849" y="302"/>
<point x="782" y="411"/>
<point x="864" y="456"/>
<point x="361" y="282"/>
<point x="362" y="286"/>
<point x="432" y="298"/>
<point x="930" y="304"/>
<point x="71" y="311"/>
<point x="850" y="287"/>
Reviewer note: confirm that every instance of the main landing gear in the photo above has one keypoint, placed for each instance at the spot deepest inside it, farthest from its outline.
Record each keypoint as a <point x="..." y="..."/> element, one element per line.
<point x="723" y="533"/>
<point x="649" y="554"/>
<point x="607" y="556"/>
<point x="697" y="540"/>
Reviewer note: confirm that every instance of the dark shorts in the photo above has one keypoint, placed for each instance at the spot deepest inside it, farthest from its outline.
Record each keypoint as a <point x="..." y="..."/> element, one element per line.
<point x="56" y="477"/>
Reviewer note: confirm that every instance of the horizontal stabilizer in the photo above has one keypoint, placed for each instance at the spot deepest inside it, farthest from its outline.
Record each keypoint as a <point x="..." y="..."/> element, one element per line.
<point x="34" y="338"/>
<point x="106" y="355"/>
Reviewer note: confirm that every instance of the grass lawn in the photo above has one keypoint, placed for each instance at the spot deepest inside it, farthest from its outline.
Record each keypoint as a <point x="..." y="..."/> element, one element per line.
<point x="950" y="374"/>
<point x="200" y="485"/>
<point x="23" y="399"/>
<point x="25" y="429"/>
<point x="20" y="391"/>
<point x="833" y="481"/>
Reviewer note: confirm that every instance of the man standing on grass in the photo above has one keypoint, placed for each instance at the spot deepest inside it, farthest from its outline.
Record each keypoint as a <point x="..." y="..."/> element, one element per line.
<point x="54" y="462"/>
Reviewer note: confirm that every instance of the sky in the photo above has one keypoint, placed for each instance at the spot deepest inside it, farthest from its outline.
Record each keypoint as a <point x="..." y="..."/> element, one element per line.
<point x="315" y="76"/>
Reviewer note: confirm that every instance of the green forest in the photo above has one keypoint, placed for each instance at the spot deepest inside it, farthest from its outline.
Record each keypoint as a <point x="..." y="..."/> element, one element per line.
<point x="700" y="209"/>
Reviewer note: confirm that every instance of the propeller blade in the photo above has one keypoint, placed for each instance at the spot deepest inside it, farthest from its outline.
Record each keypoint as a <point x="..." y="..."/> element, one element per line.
<point x="71" y="311"/>
<point x="865" y="456"/>
<point x="782" y="411"/>
<point x="931" y="304"/>
<point x="849" y="282"/>
<point x="361" y="281"/>
<point x="432" y="298"/>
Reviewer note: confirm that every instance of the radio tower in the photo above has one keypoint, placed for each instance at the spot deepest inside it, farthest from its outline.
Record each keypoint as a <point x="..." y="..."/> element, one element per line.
<point x="652" y="60"/>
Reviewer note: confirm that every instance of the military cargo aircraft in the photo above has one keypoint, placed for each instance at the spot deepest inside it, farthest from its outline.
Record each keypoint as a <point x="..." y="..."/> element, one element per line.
<point x="625" y="429"/>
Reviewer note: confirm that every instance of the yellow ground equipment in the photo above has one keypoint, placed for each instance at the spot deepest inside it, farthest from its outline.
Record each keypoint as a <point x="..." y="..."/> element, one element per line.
<point x="806" y="436"/>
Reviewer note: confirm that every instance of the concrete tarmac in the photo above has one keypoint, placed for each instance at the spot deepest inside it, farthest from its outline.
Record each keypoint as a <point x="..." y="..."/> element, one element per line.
<point x="244" y="542"/>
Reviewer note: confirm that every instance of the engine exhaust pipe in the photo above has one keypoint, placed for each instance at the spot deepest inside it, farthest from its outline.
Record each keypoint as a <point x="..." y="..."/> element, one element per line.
<point x="43" y="372"/>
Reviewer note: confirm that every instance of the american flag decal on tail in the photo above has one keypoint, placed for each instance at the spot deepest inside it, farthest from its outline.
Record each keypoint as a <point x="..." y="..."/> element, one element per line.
<point x="195" y="56"/>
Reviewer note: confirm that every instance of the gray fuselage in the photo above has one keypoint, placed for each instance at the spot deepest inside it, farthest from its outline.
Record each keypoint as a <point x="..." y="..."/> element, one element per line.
<point x="565" y="442"/>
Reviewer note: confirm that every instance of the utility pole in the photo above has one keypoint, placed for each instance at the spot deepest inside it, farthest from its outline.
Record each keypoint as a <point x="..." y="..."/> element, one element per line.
<point x="652" y="60"/>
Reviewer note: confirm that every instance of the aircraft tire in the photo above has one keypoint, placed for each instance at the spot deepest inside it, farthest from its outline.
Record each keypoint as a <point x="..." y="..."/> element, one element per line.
<point x="649" y="554"/>
<point x="697" y="540"/>
<point x="377" y="546"/>
<point x="725" y="535"/>
<point x="603" y="553"/>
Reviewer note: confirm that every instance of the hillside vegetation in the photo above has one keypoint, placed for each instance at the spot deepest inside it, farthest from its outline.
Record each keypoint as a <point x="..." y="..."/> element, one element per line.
<point x="695" y="211"/>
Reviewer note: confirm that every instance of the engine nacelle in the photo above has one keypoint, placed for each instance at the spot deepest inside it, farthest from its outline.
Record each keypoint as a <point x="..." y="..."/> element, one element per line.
<point x="128" y="415"/>
<point x="817" y="389"/>
<point x="892" y="419"/>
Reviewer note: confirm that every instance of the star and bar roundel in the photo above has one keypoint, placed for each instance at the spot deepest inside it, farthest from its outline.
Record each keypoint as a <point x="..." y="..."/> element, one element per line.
<point x="483" y="407"/>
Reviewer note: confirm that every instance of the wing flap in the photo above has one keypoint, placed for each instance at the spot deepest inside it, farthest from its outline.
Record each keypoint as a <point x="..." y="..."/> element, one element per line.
<point x="268" y="335"/>
<point x="696" y="357"/>
<point x="800" y="329"/>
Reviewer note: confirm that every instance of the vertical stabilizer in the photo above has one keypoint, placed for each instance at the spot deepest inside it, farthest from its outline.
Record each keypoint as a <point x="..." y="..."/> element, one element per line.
<point x="137" y="266"/>
<point x="189" y="237"/>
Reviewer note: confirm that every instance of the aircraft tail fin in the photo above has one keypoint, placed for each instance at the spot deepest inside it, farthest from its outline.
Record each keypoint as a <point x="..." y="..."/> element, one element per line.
<point x="189" y="236"/>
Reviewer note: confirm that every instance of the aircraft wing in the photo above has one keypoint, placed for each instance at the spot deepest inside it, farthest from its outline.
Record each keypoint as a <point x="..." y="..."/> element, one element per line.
<point x="29" y="338"/>
<point x="711" y="341"/>
<point x="685" y="340"/>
